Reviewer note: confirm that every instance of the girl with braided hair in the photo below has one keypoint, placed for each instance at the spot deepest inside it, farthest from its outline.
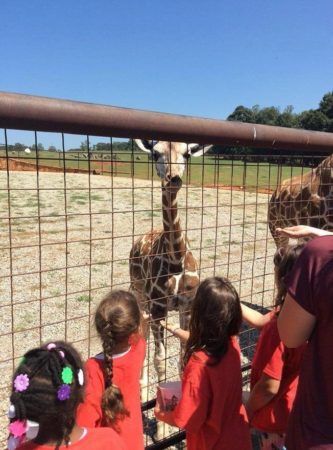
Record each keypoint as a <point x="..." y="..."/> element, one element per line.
<point x="210" y="408"/>
<point x="113" y="377"/>
<point x="47" y="389"/>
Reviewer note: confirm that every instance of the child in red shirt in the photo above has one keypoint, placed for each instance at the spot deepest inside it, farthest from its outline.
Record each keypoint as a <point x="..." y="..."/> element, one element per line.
<point x="112" y="396"/>
<point x="211" y="409"/>
<point x="275" y="368"/>
<point x="47" y="389"/>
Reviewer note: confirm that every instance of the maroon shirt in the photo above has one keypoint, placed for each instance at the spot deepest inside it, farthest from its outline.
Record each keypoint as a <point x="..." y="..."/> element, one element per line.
<point x="310" y="284"/>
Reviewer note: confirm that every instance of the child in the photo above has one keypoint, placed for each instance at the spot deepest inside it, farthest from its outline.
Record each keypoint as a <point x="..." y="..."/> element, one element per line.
<point x="275" y="368"/>
<point x="47" y="389"/>
<point x="210" y="408"/>
<point x="113" y="377"/>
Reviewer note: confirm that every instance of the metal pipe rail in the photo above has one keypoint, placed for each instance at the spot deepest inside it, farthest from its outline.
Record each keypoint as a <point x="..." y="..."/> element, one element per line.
<point x="26" y="112"/>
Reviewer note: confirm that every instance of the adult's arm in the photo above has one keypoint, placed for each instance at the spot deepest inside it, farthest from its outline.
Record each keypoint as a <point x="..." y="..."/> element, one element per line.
<point x="295" y="324"/>
<point x="302" y="231"/>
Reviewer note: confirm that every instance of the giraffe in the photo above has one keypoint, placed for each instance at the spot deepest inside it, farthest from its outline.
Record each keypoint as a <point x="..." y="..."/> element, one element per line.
<point x="163" y="271"/>
<point x="303" y="200"/>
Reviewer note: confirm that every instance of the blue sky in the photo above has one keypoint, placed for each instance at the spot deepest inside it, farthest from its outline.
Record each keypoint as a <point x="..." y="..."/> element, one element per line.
<point x="187" y="56"/>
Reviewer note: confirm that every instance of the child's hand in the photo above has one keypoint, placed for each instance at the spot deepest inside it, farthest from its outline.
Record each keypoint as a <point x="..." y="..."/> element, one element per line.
<point x="176" y="331"/>
<point x="168" y="326"/>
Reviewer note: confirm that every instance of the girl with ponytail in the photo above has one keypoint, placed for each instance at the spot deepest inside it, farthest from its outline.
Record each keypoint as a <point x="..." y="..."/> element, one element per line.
<point x="46" y="391"/>
<point x="113" y="376"/>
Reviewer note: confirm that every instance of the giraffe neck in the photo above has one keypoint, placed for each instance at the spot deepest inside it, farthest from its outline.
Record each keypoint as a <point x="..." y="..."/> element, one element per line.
<point x="173" y="234"/>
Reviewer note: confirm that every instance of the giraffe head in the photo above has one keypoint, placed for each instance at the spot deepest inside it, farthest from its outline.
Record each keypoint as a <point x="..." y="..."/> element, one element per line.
<point x="170" y="159"/>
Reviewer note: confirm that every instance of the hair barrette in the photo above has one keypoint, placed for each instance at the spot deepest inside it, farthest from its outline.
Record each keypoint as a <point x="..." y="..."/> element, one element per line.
<point x="80" y="377"/>
<point x="11" y="411"/>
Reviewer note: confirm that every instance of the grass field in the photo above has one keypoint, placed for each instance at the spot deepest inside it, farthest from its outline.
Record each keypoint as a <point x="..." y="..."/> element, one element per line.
<point x="205" y="170"/>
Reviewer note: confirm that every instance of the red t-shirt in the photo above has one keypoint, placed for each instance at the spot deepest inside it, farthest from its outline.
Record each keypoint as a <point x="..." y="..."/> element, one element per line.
<point x="311" y="285"/>
<point x="283" y="364"/>
<point x="95" y="439"/>
<point x="126" y="375"/>
<point x="211" y="409"/>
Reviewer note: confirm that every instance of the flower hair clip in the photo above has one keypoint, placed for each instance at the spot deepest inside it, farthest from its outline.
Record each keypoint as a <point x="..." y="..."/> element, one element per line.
<point x="64" y="392"/>
<point x="67" y="375"/>
<point x="21" y="382"/>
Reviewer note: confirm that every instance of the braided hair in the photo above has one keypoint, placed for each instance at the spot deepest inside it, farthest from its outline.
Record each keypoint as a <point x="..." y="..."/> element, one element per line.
<point x="40" y="401"/>
<point x="215" y="316"/>
<point x="284" y="260"/>
<point x="116" y="319"/>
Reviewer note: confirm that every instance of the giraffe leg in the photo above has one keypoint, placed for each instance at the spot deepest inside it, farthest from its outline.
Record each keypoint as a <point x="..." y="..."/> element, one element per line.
<point x="159" y="355"/>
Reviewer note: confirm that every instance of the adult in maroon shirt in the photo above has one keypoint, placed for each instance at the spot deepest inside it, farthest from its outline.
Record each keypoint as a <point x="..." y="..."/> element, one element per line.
<point x="307" y="315"/>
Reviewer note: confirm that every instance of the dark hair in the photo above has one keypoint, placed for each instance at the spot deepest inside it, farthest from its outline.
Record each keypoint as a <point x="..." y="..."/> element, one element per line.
<point x="39" y="402"/>
<point x="284" y="260"/>
<point x="216" y="315"/>
<point x="117" y="317"/>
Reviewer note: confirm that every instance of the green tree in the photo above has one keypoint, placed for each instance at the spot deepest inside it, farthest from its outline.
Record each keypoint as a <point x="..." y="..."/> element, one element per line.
<point x="268" y="116"/>
<point x="287" y="118"/>
<point x="19" y="147"/>
<point x="326" y="105"/>
<point x="313" y="119"/>
<point x="52" y="148"/>
<point x="242" y="114"/>
<point x="84" y="146"/>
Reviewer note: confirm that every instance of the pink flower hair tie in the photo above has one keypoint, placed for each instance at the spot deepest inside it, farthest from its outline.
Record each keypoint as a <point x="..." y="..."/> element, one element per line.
<point x="18" y="428"/>
<point x="21" y="382"/>
<point x="51" y="346"/>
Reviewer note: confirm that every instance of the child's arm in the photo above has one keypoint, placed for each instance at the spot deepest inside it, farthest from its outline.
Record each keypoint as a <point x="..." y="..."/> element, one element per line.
<point x="254" y="318"/>
<point x="262" y="393"/>
<point x="178" y="332"/>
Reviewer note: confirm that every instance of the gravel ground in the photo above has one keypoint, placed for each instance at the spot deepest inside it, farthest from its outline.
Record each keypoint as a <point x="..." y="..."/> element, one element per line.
<point x="55" y="285"/>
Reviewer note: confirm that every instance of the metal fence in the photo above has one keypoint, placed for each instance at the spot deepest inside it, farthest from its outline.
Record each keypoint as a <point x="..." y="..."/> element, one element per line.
<point x="69" y="219"/>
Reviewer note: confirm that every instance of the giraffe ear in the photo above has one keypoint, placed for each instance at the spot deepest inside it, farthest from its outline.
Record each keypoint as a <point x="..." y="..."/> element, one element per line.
<point x="145" y="145"/>
<point x="197" y="149"/>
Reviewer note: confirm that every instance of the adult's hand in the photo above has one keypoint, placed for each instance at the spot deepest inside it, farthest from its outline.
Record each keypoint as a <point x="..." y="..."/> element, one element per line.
<point x="302" y="231"/>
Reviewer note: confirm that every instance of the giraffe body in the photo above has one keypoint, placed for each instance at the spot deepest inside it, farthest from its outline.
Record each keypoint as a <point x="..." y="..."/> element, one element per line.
<point x="163" y="271"/>
<point x="303" y="200"/>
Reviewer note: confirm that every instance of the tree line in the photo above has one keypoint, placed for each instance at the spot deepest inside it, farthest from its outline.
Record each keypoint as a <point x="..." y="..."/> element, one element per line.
<point x="320" y="119"/>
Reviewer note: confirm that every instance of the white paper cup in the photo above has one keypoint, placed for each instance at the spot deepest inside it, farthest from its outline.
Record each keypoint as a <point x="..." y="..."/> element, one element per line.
<point x="171" y="392"/>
